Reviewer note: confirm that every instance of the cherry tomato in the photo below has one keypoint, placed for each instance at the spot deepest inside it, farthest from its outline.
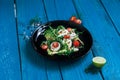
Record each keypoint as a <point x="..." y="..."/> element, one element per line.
<point x="78" y="21"/>
<point x="55" y="44"/>
<point x="66" y="36"/>
<point x="44" y="46"/>
<point x="69" y="29"/>
<point x="73" y="18"/>
<point x="76" y="43"/>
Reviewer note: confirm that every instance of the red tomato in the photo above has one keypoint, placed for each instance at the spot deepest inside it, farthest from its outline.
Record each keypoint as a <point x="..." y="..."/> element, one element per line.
<point x="73" y="18"/>
<point x="55" y="44"/>
<point x="66" y="36"/>
<point x="44" y="46"/>
<point x="76" y="43"/>
<point x="69" y="29"/>
<point x="78" y="21"/>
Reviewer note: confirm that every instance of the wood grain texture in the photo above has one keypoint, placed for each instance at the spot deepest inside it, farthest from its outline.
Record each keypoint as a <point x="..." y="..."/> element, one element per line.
<point x="96" y="17"/>
<point x="33" y="65"/>
<point x="9" y="55"/>
<point x="27" y="10"/>
<point x="63" y="10"/>
<point x="113" y="10"/>
<point x="106" y="39"/>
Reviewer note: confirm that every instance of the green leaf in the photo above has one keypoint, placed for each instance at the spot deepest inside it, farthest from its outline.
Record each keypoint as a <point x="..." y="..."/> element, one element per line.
<point x="34" y="20"/>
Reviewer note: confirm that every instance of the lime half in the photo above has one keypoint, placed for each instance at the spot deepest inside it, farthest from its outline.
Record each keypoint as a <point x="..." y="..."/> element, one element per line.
<point x="99" y="61"/>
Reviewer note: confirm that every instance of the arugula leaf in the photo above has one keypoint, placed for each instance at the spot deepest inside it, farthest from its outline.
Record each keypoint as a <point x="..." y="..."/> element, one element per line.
<point x="60" y="27"/>
<point x="49" y="35"/>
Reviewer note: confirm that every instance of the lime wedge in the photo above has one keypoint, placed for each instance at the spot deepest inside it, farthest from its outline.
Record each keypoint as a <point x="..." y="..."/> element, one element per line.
<point x="99" y="61"/>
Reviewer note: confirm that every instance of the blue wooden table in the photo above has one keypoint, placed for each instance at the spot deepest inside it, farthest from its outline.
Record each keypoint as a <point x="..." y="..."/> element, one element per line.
<point x="18" y="59"/>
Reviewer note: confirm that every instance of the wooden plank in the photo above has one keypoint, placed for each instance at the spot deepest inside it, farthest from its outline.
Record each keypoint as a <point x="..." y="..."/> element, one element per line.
<point x="35" y="66"/>
<point x="53" y="71"/>
<point x="72" y="71"/>
<point x="53" y="11"/>
<point x="9" y="55"/>
<point x="27" y="11"/>
<point x="106" y="39"/>
<point x="113" y="10"/>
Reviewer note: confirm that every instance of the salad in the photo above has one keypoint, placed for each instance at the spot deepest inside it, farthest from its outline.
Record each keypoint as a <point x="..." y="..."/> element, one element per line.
<point x="61" y="41"/>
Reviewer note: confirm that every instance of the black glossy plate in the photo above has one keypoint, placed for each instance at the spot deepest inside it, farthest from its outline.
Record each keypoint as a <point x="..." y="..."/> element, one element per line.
<point x="86" y="37"/>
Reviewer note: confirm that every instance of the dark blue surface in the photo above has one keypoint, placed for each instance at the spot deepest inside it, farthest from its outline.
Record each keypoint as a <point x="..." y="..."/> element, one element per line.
<point x="18" y="59"/>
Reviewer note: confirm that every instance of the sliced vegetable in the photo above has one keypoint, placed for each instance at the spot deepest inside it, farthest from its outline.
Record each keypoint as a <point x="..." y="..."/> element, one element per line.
<point x="76" y="43"/>
<point x="44" y="47"/>
<point x="61" y="41"/>
<point x="67" y="36"/>
<point x="69" y="43"/>
<point x="62" y="32"/>
<point x="73" y="35"/>
<point x="55" y="44"/>
<point x="99" y="61"/>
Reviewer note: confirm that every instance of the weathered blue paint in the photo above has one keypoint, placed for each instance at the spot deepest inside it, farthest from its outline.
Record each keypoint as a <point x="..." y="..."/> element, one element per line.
<point x="9" y="54"/>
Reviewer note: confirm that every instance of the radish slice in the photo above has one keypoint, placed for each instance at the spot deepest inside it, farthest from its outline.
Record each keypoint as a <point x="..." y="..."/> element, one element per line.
<point x="55" y="46"/>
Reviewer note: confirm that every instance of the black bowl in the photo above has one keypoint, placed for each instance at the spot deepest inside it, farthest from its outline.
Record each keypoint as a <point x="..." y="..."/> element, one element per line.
<point x="85" y="37"/>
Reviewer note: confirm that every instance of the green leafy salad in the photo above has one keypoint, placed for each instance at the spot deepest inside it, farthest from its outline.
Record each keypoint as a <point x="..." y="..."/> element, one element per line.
<point x="61" y="41"/>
